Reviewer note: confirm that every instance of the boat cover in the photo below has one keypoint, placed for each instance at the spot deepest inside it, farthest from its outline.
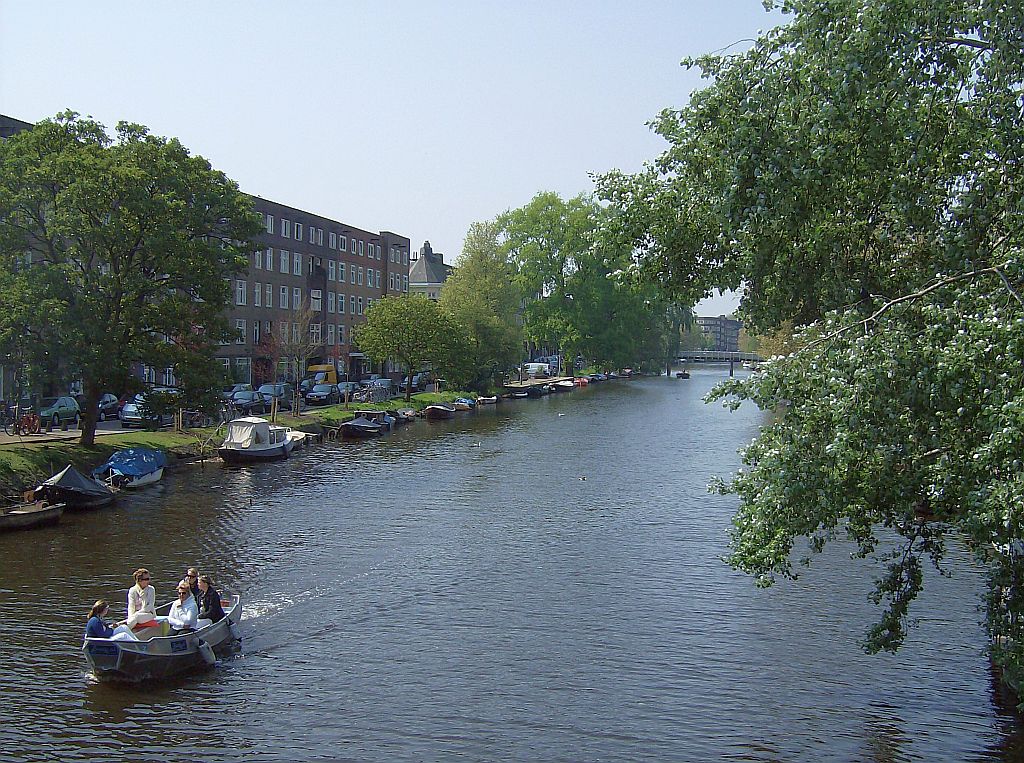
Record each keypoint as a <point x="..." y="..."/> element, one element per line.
<point x="246" y="432"/>
<point x="132" y="462"/>
<point x="71" y="479"/>
<point x="362" y="422"/>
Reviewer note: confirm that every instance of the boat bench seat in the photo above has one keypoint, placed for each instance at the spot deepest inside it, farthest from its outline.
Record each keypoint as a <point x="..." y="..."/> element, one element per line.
<point x="162" y="628"/>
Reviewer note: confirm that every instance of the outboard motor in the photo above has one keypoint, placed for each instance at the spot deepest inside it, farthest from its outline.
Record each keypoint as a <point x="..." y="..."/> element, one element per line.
<point x="207" y="652"/>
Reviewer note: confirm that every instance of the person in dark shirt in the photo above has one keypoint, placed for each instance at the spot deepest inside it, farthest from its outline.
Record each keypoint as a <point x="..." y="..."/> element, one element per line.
<point x="192" y="578"/>
<point x="209" y="606"/>
<point x="96" y="627"/>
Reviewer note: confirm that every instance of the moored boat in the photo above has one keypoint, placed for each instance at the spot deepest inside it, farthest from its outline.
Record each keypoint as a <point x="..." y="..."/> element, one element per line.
<point x="403" y="415"/>
<point x="132" y="468"/>
<point x="487" y="400"/>
<point x="464" y="404"/>
<point x="438" y="411"/>
<point x="384" y="418"/>
<point x="76" y="491"/>
<point x="251" y="438"/>
<point x="360" y="428"/>
<point x="22" y="516"/>
<point x="581" y="381"/>
<point x="299" y="439"/>
<point x="153" y="655"/>
<point x="563" y="385"/>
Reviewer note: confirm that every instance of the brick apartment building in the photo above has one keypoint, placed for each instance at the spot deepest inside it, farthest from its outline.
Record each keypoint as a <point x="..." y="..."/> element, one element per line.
<point x="724" y="331"/>
<point x="303" y="259"/>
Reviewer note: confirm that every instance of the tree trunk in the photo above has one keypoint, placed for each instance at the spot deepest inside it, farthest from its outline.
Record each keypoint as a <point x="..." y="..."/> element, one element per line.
<point x="90" y="412"/>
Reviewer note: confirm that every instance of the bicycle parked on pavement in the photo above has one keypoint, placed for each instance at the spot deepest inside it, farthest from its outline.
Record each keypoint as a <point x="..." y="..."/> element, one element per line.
<point x="20" y="422"/>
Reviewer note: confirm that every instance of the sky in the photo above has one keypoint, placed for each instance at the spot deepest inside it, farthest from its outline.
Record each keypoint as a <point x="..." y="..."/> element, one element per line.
<point x="415" y="117"/>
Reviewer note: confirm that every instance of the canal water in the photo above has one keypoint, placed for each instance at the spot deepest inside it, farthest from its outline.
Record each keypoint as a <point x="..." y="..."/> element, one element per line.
<point x="538" y="581"/>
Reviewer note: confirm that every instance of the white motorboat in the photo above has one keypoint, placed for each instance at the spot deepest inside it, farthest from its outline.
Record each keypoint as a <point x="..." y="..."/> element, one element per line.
<point x="132" y="468"/>
<point x="299" y="439"/>
<point x="153" y="654"/>
<point x="251" y="438"/>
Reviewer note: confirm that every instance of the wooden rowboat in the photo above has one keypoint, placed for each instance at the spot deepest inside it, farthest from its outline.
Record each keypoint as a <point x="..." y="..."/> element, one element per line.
<point x="25" y="515"/>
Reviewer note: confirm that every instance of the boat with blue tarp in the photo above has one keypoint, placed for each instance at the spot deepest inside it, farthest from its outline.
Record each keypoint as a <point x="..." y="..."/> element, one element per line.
<point x="132" y="468"/>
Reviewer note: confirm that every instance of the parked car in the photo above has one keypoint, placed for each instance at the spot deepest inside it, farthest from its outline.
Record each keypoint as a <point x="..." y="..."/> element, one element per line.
<point x="323" y="394"/>
<point x="135" y="412"/>
<point x="247" y="402"/>
<point x="347" y="387"/>
<point x="108" y="406"/>
<point x="283" y="393"/>
<point x="59" y="409"/>
<point x="228" y="392"/>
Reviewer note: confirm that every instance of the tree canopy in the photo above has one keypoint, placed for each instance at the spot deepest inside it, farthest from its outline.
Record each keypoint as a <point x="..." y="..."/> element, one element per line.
<point x="413" y="330"/>
<point x="858" y="172"/>
<point x="117" y="251"/>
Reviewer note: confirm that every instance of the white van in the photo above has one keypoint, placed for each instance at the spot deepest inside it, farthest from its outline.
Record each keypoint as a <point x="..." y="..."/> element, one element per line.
<point x="537" y="370"/>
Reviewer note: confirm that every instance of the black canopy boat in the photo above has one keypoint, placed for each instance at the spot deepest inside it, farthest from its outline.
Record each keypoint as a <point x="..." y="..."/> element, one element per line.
<point x="75" y="490"/>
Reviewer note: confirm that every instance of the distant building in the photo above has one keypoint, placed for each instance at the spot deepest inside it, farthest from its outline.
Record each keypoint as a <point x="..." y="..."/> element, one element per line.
<point x="724" y="331"/>
<point x="427" y="272"/>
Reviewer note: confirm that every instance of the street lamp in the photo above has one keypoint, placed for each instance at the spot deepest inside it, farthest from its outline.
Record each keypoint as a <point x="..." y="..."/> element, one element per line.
<point x="565" y="353"/>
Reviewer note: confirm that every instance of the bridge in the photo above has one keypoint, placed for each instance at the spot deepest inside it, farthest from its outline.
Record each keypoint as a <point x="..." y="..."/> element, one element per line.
<point x="718" y="356"/>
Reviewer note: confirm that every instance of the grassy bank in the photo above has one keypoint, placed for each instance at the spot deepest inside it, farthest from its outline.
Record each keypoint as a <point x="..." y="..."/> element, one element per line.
<point x="25" y="464"/>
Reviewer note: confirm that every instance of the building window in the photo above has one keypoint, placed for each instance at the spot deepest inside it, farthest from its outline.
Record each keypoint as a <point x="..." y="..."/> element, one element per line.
<point x="376" y="280"/>
<point x="240" y="330"/>
<point x="332" y="240"/>
<point x="405" y="283"/>
<point x="352" y="274"/>
<point x="240" y="289"/>
<point x="343" y="243"/>
<point x="341" y="304"/>
<point x="257" y="295"/>
<point x="298" y="231"/>
<point x="256" y="326"/>
<point x="330" y="334"/>
<point x="296" y="264"/>
<point x="360" y="278"/>
<point x="330" y="301"/>
<point x="391" y="281"/>
<point x="331" y="269"/>
<point x="315" y="333"/>
<point x="309" y="265"/>
<point x="369" y="302"/>
<point x="295" y="333"/>
<point x="270" y="296"/>
<point x="283" y="302"/>
<point x="269" y="220"/>
<point x="286" y="228"/>
<point x="284" y="261"/>
<point x="257" y="260"/>
<point x="378" y="251"/>
<point x="312" y="234"/>
<point x="284" y="331"/>
<point x="270" y="259"/>
<point x="341" y="333"/>
<point x="296" y="298"/>
<point x="360" y="248"/>
<point x="352" y="304"/>
<point x="315" y="300"/>
<point x="341" y="272"/>
<point x="360" y="303"/>
<point x="319" y="236"/>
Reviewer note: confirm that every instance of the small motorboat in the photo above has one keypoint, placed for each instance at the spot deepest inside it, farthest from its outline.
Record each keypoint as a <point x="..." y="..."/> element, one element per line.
<point x="299" y="439"/>
<point x="22" y="516"/>
<point x="360" y="428"/>
<point x="538" y="390"/>
<point x="132" y="468"/>
<point x="76" y="491"/>
<point x="682" y="374"/>
<point x="519" y="394"/>
<point x="251" y="438"/>
<point x="438" y="411"/>
<point x="464" y="404"/>
<point x="563" y="385"/>
<point x="153" y="654"/>
<point x="385" y="419"/>
<point x="484" y="400"/>
<point x="403" y="415"/>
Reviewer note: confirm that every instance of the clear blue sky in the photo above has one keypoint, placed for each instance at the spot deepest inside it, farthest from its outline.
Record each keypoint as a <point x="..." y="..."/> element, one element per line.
<point x="415" y="117"/>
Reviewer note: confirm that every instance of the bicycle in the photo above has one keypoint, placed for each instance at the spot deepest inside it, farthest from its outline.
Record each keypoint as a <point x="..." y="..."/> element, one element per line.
<point x="21" y="423"/>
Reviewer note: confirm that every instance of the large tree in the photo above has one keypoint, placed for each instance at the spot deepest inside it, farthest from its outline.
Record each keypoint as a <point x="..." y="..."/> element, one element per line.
<point x="483" y="298"/>
<point x="119" y="250"/>
<point x="860" y="173"/>
<point x="413" y="330"/>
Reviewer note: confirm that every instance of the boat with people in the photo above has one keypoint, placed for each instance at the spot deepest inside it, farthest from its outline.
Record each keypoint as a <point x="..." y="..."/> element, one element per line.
<point x="438" y="411"/>
<point x="154" y="652"/>
<point x="251" y="438"/>
<point x="23" y="516"/>
<point x="360" y="428"/>
<point x="76" y="491"/>
<point x="132" y="468"/>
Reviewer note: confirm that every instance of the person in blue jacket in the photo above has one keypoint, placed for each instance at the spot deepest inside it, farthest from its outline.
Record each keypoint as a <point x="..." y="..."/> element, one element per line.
<point x="96" y="627"/>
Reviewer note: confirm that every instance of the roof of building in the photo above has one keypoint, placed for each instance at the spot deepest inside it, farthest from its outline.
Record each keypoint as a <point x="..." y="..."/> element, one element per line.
<point x="428" y="267"/>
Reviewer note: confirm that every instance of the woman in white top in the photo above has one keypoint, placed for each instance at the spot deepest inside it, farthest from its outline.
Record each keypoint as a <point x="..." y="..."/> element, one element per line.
<point x="141" y="600"/>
